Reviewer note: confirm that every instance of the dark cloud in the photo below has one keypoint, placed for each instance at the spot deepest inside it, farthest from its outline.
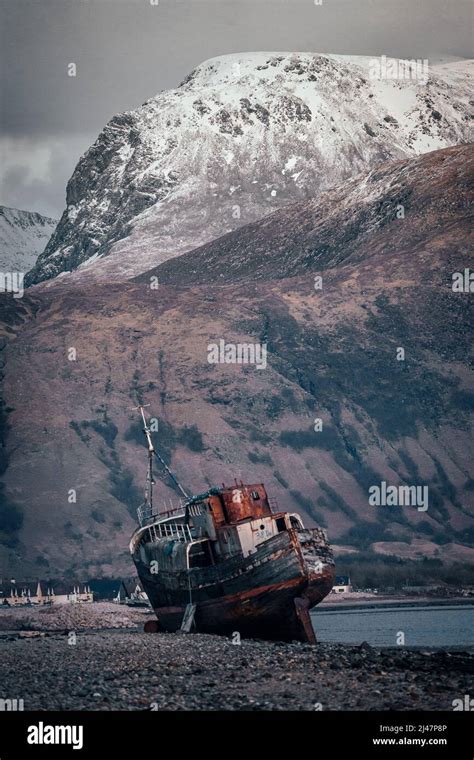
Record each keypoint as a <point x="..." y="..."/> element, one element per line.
<point x="34" y="171"/>
<point x="35" y="195"/>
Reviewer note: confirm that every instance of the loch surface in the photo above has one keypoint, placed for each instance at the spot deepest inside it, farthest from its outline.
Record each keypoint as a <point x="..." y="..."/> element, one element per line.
<point x="430" y="626"/>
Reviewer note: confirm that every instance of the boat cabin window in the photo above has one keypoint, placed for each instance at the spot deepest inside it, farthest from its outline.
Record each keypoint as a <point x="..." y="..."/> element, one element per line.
<point x="280" y="523"/>
<point x="295" y="522"/>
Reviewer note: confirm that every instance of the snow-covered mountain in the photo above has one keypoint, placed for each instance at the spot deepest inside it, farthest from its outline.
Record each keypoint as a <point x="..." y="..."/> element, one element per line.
<point x="23" y="236"/>
<point x="243" y="135"/>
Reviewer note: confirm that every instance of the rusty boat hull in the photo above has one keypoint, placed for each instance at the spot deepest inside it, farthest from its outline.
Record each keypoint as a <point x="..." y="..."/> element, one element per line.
<point x="267" y="594"/>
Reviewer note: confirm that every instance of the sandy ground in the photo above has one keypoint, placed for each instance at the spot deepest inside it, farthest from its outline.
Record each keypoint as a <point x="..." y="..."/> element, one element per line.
<point x="57" y="659"/>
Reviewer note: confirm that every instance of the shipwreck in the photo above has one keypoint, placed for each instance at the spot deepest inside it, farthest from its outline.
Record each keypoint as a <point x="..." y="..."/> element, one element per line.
<point x="229" y="561"/>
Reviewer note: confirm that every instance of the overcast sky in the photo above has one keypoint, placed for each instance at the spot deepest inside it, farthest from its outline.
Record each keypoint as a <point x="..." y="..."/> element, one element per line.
<point x="128" y="50"/>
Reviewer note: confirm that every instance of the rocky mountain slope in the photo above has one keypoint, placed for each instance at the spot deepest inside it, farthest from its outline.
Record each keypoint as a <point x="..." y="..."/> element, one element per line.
<point x="74" y="455"/>
<point x="403" y="206"/>
<point x="242" y="136"/>
<point x="23" y="236"/>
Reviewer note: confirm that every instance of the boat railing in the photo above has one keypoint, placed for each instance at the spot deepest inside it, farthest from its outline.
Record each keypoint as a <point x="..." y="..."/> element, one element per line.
<point x="147" y="514"/>
<point x="177" y="531"/>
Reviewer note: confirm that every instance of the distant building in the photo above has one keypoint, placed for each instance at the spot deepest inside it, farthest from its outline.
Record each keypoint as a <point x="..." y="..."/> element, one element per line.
<point x="421" y="589"/>
<point x="64" y="593"/>
<point x="130" y="591"/>
<point x="13" y="593"/>
<point x="23" y="593"/>
<point x="342" y="584"/>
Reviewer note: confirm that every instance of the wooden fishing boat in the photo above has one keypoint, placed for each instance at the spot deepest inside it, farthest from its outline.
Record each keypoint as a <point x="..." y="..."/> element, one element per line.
<point x="229" y="561"/>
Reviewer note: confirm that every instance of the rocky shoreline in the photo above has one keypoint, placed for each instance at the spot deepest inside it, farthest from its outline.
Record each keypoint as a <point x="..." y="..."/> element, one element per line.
<point x="81" y="668"/>
<point x="73" y="617"/>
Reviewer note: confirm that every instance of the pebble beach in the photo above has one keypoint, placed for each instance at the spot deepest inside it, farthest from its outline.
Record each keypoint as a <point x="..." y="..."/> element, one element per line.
<point x="96" y="657"/>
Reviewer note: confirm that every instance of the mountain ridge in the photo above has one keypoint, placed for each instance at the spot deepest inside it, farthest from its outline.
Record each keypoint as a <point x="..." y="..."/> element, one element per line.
<point x="384" y="207"/>
<point x="23" y="237"/>
<point x="242" y="136"/>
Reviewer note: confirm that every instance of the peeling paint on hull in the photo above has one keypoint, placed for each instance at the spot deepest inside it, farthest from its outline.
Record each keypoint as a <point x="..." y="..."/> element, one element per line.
<point x="267" y="595"/>
<point x="267" y="613"/>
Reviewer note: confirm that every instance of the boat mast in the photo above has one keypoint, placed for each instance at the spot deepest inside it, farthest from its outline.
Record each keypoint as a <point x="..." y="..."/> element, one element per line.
<point x="149" y="478"/>
<point x="151" y="453"/>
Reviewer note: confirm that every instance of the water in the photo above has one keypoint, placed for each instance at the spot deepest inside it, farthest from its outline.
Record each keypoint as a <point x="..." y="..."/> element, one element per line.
<point x="433" y="626"/>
